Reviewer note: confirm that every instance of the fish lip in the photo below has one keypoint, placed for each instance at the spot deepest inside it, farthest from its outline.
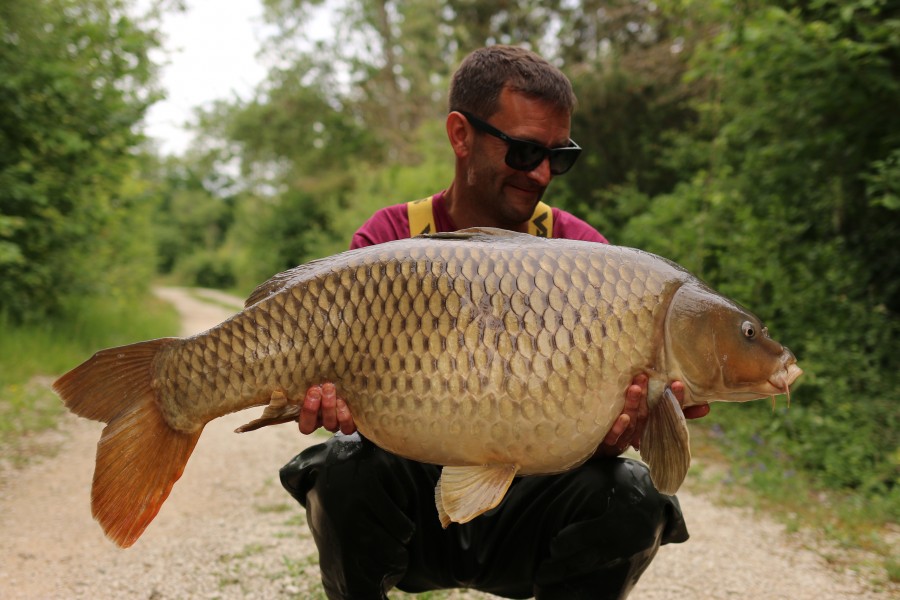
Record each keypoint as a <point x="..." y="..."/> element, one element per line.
<point x="782" y="380"/>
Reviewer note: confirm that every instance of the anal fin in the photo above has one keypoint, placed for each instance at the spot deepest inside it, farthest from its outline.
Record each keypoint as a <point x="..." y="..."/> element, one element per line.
<point x="463" y="493"/>
<point x="277" y="411"/>
<point x="666" y="444"/>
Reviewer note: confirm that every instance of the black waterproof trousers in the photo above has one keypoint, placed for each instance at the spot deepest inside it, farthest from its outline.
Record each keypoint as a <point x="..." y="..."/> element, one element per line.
<point x="587" y="533"/>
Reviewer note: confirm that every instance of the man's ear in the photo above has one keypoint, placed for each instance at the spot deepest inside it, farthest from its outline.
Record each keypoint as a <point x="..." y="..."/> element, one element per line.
<point x="460" y="134"/>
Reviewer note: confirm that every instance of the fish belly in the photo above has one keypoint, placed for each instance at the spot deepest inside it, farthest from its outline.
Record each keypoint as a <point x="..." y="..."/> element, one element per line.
<point x="447" y="352"/>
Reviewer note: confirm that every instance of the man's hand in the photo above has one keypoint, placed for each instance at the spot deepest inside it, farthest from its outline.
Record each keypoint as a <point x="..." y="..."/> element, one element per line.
<point x="322" y="407"/>
<point x="629" y="426"/>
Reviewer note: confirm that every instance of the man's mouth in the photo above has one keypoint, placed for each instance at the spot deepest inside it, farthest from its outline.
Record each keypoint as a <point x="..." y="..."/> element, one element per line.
<point x="526" y="189"/>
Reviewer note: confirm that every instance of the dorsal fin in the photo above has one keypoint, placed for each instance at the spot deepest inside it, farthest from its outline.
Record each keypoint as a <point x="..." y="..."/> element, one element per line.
<point x="283" y="280"/>
<point x="288" y="278"/>
<point x="478" y="233"/>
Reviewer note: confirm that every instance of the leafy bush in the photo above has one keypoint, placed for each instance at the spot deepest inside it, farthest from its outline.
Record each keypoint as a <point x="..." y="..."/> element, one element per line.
<point x="792" y="213"/>
<point x="206" y="268"/>
<point x="75" y="80"/>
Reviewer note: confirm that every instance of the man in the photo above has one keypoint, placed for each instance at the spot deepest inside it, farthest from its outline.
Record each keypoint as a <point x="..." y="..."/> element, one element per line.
<point x="586" y="533"/>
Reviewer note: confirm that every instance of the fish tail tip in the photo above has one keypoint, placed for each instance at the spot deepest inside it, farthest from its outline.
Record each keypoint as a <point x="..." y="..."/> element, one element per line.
<point x="139" y="459"/>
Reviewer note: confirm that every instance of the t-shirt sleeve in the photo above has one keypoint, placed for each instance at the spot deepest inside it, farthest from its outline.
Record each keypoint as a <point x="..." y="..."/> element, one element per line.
<point x="568" y="226"/>
<point x="386" y="225"/>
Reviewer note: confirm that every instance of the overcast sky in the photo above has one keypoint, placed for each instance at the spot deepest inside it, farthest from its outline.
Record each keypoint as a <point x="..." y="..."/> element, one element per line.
<point x="211" y="55"/>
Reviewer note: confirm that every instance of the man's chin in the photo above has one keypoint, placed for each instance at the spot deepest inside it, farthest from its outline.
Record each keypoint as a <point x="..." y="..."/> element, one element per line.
<point x="521" y="200"/>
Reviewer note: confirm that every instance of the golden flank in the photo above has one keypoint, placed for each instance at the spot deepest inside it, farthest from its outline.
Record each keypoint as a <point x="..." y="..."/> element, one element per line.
<point x="495" y="354"/>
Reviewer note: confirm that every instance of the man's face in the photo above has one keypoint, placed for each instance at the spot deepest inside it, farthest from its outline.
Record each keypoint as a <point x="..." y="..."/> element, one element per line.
<point x="508" y="194"/>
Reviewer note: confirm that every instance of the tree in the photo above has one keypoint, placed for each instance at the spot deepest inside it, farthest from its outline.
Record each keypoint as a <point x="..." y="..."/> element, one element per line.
<point x="384" y="64"/>
<point x="75" y="80"/>
<point x="628" y="60"/>
<point x="785" y="203"/>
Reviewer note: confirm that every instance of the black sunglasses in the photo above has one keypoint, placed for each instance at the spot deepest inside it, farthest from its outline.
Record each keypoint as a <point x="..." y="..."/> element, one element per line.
<point x="523" y="155"/>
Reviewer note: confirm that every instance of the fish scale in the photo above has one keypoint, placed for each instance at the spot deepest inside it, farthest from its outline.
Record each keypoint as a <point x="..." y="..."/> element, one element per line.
<point x="492" y="353"/>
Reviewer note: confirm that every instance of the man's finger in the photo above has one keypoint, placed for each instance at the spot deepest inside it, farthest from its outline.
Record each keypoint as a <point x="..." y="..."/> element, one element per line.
<point x="345" y="420"/>
<point x="616" y="431"/>
<point x="677" y="388"/>
<point x="309" y="412"/>
<point x="633" y="396"/>
<point x="696" y="412"/>
<point x="329" y="402"/>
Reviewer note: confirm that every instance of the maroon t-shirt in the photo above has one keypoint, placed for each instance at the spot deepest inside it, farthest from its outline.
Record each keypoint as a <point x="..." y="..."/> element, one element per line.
<point x="392" y="223"/>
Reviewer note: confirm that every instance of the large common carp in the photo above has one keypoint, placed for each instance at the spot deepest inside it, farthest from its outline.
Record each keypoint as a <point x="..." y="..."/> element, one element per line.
<point x="492" y="353"/>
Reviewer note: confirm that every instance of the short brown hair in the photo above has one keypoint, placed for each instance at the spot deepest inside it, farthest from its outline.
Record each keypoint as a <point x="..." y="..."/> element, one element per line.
<point x="482" y="75"/>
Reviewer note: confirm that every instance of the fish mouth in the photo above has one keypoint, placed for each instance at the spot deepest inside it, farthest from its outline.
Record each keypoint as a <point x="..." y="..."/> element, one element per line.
<point x="777" y="383"/>
<point x="782" y="379"/>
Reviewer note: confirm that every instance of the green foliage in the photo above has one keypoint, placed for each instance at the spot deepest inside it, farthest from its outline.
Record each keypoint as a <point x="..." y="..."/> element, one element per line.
<point x="188" y="218"/>
<point x="379" y="186"/>
<point x="883" y="182"/>
<point x="75" y="80"/>
<point x="295" y="126"/>
<point x="628" y="76"/>
<point x="207" y="268"/>
<point x="791" y="213"/>
<point x="393" y="53"/>
<point x="273" y="234"/>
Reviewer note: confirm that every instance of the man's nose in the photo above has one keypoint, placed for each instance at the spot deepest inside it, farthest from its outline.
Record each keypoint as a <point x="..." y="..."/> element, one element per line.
<point x="541" y="174"/>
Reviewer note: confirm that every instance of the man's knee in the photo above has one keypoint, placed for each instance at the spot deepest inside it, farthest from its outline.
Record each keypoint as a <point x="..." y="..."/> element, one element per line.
<point x="614" y="532"/>
<point x="355" y="513"/>
<point x="601" y="486"/>
<point x="660" y="511"/>
<point x="328" y="465"/>
<point x="341" y="475"/>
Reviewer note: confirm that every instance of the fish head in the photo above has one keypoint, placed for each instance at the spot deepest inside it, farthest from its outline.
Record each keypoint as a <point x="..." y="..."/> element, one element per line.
<point x="721" y="351"/>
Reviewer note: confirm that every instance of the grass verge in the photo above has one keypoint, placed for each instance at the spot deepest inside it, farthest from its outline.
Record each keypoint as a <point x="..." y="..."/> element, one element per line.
<point x="33" y="355"/>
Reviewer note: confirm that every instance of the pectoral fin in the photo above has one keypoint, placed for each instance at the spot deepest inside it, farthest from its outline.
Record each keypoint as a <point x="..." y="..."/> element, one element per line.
<point x="277" y="411"/>
<point x="666" y="444"/>
<point x="463" y="493"/>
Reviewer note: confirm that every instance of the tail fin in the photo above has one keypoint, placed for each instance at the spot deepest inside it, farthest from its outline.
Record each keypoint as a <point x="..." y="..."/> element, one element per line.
<point x="139" y="456"/>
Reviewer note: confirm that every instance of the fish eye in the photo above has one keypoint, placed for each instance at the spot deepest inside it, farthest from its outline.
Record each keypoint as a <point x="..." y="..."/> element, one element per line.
<point x="749" y="330"/>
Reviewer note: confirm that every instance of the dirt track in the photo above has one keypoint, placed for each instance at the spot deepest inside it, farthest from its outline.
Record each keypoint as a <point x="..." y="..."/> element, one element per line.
<point x="229" y="530"/>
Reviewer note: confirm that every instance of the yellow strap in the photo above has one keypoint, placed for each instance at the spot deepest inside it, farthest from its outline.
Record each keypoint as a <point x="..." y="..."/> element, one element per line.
<point x="541" y="222"/>
<point x="421" y="219"/>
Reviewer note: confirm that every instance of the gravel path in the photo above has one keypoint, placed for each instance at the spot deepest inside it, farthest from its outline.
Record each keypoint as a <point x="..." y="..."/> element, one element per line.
<point x="228" y="530"/>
